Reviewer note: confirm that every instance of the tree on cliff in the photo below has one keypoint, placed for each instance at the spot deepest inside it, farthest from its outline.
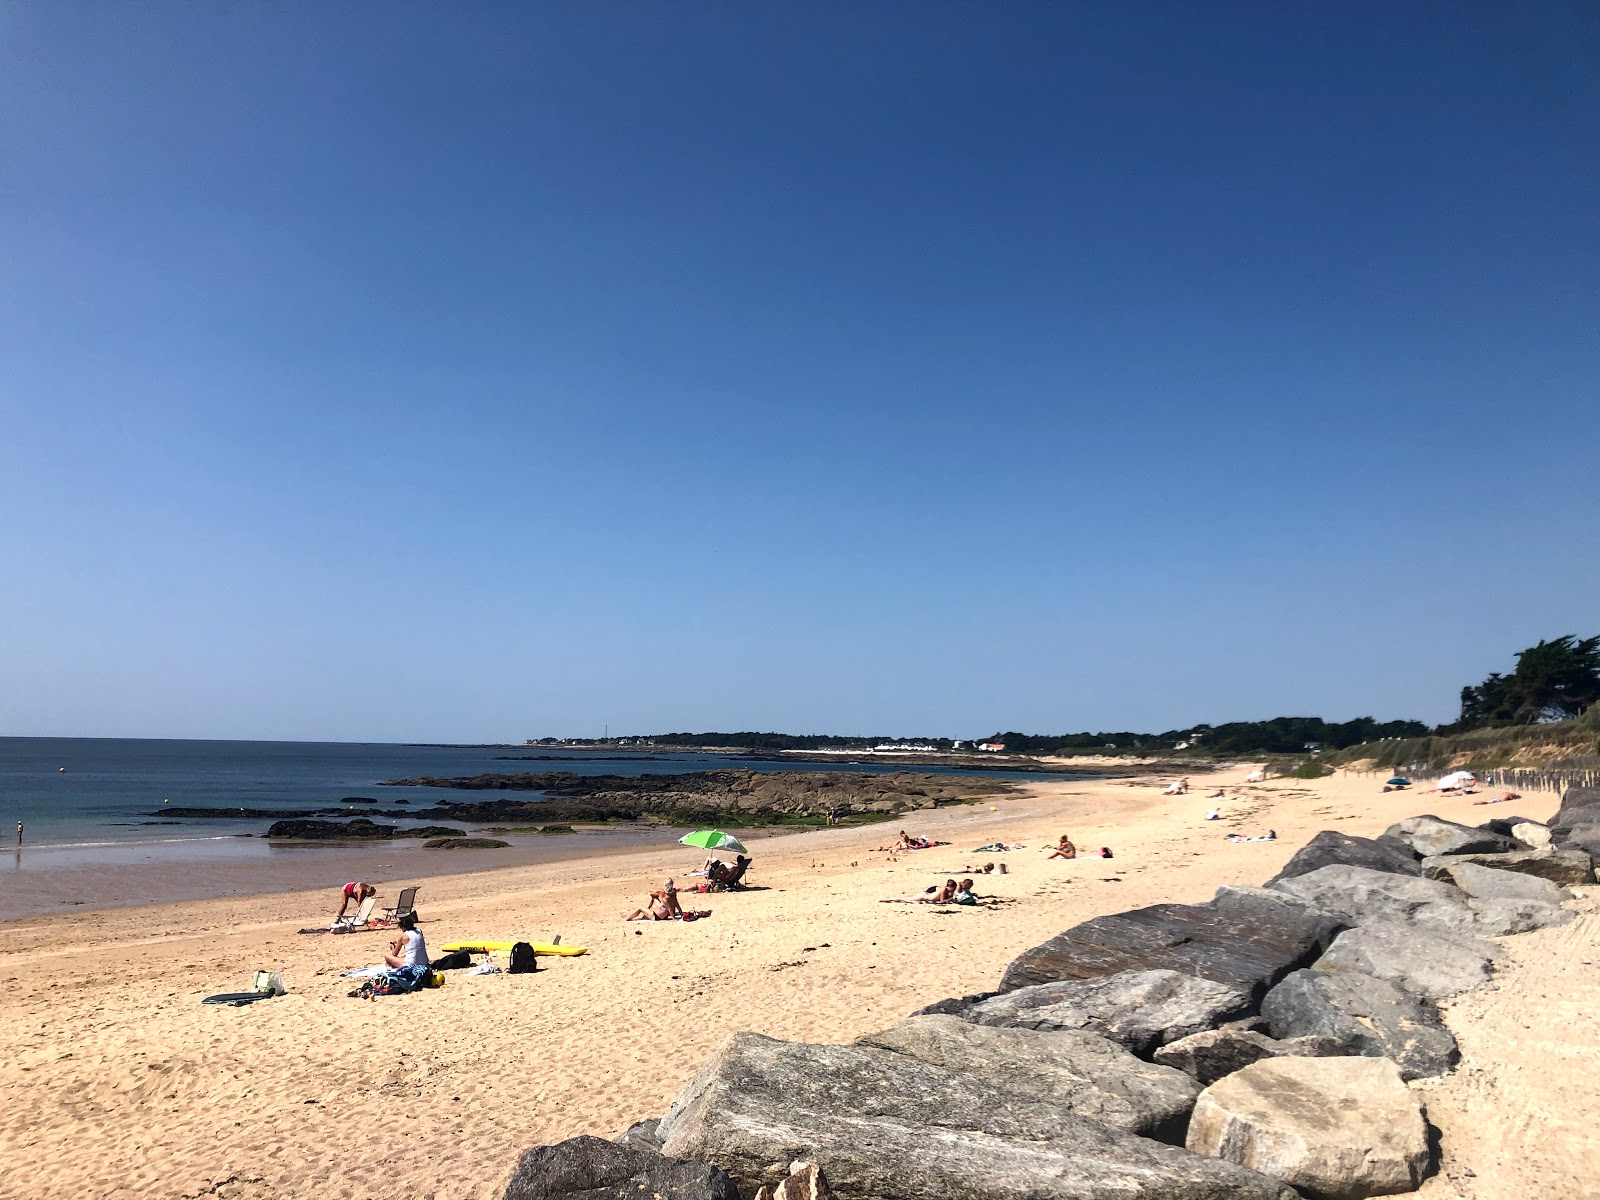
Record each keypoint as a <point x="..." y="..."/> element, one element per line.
<point x="1554" y="681"/>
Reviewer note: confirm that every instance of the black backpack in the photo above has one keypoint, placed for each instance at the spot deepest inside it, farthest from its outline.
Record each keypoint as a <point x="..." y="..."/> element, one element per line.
<point x="522" y="959"/>
<point x="454" y="961"/>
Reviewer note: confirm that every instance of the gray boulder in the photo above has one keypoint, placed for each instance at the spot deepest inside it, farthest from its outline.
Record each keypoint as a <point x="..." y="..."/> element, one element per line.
<point x="596" y="1169"/>
<point x="1334" y="1128"/>
<point x="1357" y="895"/>
<point x="1490" y="883"/>
<point x="643" y="1135"/>
<point x="1136" y="1009"/>
<point x="1245" y="939"/>
<point x="1333" y="849"/>
<point x="1433" y="835"/>
<point x="1081" y="1072"/>
<point x="751" y="1113"/>
<point x="1508" y="826"/>
<point x="1217" y="1053"/>
<point x="1531" y="833"/>
<point x="1565" y="868"/>
<point x="1367" y="1015"/>
<point x="1500" y="917"/>
<point x="1424" y="962"/>
<point x="1577" y="825"/>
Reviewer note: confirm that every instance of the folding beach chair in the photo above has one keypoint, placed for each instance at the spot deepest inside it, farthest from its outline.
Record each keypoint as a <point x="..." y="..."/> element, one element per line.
<point x="406" y="904"/>
<point x="362" y="916"/>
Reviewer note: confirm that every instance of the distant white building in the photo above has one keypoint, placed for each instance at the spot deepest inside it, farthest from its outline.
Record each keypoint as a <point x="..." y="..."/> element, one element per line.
<point x="993" y="747"/>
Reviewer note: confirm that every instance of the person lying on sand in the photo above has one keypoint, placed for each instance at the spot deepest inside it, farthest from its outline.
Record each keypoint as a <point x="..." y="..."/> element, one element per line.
<point x="353" y="891"/>
<point x="1500" y="799"/>
<point x="1064" y="849"/>
<point x="906" y="842"/>
<point x="1270" y="835"/>
<point x="933" y="894"/>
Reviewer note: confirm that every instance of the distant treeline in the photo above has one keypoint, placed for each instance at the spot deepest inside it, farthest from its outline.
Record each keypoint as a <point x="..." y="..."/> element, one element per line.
<point x="1281" y="735"/>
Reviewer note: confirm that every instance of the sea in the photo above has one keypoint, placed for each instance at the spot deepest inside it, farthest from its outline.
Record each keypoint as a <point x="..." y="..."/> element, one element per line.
<point x="96" y="834"/>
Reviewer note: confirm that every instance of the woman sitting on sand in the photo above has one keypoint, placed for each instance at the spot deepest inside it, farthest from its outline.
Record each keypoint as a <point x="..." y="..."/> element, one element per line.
<point x="353" y="891"/>
<point x="408" y="953"/>
<point x="1064" y="849"/>
<point x="664" y="906"/>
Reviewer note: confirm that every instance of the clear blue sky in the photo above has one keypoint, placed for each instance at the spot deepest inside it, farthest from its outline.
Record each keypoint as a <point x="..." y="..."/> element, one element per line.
<point x="376" y="371"/>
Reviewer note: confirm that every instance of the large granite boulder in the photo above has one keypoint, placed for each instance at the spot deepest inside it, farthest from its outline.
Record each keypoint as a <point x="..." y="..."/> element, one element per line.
<point x="596" y="1169"/>
<point x="1577" y="825"/>
<point x="1356" y="895"/>
<point x="1424" y="962"/>
<point x="1246" y="939"/>
<point x="1496" y="918"/>
<point x="1532" y="833"/>
<point x="1333" y="849"/>
<point x="1081" y="1072"/>
<point x="1334" y="1128"/>
<point x="1490" y="883"/>
<point x="1433" y="835"/>
<point x="751" y="1112"/>
<point x="1137" y="1009"/>
<point x="1367" y="1015"/>
<point x="644" y="1135"/>
<point x="1507" y="826"/>
<point x="1217" y="1053"/>
<point x="1565" y="868"/>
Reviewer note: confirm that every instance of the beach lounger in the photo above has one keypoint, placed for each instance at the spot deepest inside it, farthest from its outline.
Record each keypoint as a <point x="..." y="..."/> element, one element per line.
<point x="360" y="920"/>
<point x="406" y="904"/>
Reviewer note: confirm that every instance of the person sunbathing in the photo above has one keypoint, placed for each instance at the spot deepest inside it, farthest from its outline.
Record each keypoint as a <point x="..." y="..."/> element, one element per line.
<point x="727" y="877"/>
<point x="964" y="894"/>
<point x="906" y="842"/>
<point x="1064" y="849"/>
<point x="1500" y="799"/>
<point x="933" y="894"/>
<point x="664" y="906"/>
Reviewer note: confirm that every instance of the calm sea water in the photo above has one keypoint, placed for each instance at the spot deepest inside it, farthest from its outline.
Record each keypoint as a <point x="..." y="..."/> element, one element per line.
<point x="106" y="792"/>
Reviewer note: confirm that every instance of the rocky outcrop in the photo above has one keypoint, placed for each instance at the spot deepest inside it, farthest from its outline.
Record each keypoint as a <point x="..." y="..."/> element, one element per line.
<point x="1137" y="1009"/>
<point x="464" y="843"/>
<point x="752" y="1110"/>
<point x="359" y="829"/>
<point x="595" y="1169"/>
<point x="1498" y="918"/>
<point x="1332" y="849"/>
<point x="806" y="1182"/>
<point x="1334" y="1128"/>
<point x="1564" y="868"/>
<point x="1531" y="833"/>
<point x="1246" y="939"/>
<point x="1218" y="1053"/>
<point x="1424" y="962"/>
<point x="1081" y="1072"/>
<point x="1432" y="835"/>
<point x="431" y="831"/>
<point x="643" y="1135"/>
<point x="1370" y="1017"/>
<point x="751" y="795"/>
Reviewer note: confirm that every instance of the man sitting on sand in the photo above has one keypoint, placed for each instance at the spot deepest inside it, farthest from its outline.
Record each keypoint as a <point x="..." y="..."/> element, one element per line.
<point x="1064" y="849"/>
<point x="353" y="891"/>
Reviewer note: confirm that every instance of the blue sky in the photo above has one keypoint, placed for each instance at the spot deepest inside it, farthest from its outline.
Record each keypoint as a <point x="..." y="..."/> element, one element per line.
<point x="489" y="371"/>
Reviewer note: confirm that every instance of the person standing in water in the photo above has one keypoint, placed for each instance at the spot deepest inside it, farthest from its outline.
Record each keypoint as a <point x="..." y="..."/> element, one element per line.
<point x="19" y="835"/>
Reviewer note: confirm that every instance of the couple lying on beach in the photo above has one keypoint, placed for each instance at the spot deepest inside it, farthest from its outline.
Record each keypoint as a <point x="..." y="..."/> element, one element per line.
<point x="906" y="842"/>
<point x="663" y="906"/>
<point x="951" y="893"/>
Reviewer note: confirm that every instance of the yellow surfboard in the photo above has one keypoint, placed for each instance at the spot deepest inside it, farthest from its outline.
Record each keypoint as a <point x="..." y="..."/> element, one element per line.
<point x="504" y="947"/>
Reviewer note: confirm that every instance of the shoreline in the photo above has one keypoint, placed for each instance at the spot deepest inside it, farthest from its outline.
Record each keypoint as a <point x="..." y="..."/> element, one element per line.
<point x="102" y="1009"/>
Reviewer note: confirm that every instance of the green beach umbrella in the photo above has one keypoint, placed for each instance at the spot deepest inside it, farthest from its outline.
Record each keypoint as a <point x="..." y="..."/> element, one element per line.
<point x="713" y="839"/>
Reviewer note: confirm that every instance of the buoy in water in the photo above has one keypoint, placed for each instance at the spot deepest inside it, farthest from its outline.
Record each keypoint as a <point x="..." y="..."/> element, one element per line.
<point x="63" y="770"/>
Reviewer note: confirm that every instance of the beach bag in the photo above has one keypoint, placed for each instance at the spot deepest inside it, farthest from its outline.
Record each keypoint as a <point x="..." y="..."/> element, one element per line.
<point x="523" y="960"/>
<point x="454" y="961"/>
<point x="432" y="979"/>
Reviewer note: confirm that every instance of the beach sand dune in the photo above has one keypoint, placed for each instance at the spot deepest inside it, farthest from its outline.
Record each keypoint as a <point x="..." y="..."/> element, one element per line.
<point x="117" y="1081"/>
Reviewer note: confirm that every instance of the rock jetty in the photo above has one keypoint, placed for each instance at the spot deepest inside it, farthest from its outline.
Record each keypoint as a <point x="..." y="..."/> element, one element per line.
<point x="1256" y="1046"/>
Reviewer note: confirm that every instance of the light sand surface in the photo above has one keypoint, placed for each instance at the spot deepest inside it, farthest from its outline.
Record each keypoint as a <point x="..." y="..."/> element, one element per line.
<point x="117" y="1081"/>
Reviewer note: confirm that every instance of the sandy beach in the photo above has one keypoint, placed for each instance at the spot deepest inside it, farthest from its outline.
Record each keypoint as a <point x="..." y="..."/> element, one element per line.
<point x="117" y="1081"/>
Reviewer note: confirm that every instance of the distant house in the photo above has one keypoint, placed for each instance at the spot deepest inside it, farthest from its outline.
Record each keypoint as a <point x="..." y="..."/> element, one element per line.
<point x="1314" y="747"/>
<point x="993" y="747"/>
<point x="958" y="744"/>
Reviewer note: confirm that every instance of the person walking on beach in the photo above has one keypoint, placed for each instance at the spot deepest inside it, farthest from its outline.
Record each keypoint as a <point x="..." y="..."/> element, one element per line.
<point x="19" y="835"/>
